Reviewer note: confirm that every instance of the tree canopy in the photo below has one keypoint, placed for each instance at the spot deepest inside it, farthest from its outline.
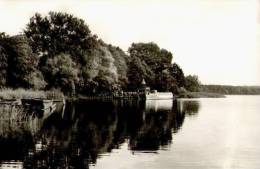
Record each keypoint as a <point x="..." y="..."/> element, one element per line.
<point x="59" y="33"/>
<point x="59" y="51"/>
<point x="178" y="74"/>
<point x="192" y="83"/>
<point x="19" y="63"/>
<point x="150" y="62"/>
<point x="3" y="60"/>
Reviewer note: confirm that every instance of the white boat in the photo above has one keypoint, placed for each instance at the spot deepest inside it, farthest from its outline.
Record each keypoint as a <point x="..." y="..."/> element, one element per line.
<point x="154" y="95"/>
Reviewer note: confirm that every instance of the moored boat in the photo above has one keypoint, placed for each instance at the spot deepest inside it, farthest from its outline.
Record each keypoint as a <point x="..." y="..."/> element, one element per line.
<point x="154" y="95"/>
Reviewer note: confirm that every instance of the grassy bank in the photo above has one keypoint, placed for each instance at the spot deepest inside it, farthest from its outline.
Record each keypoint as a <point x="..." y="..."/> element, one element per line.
<point x="201" y="95"/>
<point x="9" y="94"/>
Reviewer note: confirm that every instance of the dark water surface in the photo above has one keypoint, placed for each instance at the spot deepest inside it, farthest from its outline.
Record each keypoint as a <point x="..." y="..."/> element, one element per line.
<point x="221" y="133"/>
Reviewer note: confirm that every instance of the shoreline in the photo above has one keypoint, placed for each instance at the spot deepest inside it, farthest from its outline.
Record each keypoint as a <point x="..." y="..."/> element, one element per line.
<point x="15" y="94"/>
<point x="201" y="95"/>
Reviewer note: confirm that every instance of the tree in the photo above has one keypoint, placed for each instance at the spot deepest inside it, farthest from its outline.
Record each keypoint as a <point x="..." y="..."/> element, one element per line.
<point x="62" y="33"/>
<point x="100" y="74"/>
<point x="22" y="64"/>
<point x="151" y="63"/>
<point x="165" y="82"/>
<point x="62" y="72"/>
<point x="121" y="60"/>
<point x="178" y="75"/>
<point x="192" y="83"/>
<point x="59" y="33"/>
<point x="137" y="71"/>
<point x="36" y="80"/>
<point x="152" y="55"/>
<point x="3" y="66"/>
<point x="3" y="59"/>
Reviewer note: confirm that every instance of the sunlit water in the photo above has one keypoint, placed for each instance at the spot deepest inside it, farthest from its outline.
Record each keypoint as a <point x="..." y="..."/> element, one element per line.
<point x="221" y="133"/>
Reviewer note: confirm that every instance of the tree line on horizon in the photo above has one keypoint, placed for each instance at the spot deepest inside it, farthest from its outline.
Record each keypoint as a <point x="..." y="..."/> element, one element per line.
<point x="231" y="90"/>
<point x="58" y="51"/>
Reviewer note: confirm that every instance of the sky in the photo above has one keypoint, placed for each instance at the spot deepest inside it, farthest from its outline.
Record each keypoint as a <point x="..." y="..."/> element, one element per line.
<point x="218" y="40"/>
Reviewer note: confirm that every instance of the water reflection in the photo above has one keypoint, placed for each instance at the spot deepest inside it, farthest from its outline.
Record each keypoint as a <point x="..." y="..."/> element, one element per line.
<point x="11" y="164"/>
<point x="155" y="105"/>
<point x="188" y="107"/>
<point x="78" y="135"/>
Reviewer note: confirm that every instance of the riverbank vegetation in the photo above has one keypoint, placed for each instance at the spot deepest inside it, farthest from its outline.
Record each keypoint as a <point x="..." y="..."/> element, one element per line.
<point x="59" y="52"/>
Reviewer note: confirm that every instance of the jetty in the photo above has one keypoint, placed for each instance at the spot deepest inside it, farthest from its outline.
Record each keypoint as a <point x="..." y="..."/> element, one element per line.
<point x="16" y="115"/>
<point x="42" y="106"/>
<point x="39" y="107"/>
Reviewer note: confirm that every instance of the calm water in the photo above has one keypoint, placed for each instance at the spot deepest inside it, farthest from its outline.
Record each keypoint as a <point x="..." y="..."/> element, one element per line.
<point x="188" y="134"/>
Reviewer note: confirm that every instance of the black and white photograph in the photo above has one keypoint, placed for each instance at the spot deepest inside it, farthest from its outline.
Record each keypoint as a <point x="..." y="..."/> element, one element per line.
<point x="129" y="84"/>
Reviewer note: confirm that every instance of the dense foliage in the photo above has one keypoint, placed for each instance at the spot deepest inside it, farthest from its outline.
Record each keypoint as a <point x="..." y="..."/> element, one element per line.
<point x="192" y="83"/>
<point x="19" y="63"/>
<point x="149" y="62"/>
<point x="3" y="59"/>
<point x="59" y="51"/>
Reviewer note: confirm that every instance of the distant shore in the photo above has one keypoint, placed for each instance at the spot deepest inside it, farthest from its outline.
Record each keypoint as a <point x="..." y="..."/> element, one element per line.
<point x="201" y="95"/>
<point x="231" y="90"/>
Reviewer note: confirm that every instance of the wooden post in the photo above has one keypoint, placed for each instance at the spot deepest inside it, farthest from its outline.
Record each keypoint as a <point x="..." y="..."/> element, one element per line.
<point x="73" y="89"/>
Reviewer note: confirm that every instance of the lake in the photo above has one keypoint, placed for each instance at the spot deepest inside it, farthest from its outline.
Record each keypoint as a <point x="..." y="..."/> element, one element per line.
<point x="206" y="133"/>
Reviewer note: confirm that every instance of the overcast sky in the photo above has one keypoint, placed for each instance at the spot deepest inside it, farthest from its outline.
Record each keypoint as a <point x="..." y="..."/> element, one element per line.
<point x="219" y="40"/>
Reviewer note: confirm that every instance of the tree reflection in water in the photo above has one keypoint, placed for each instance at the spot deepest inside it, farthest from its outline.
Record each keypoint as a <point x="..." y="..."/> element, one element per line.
<point x="188" y="106"/>
<point x="78" y="136"/>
